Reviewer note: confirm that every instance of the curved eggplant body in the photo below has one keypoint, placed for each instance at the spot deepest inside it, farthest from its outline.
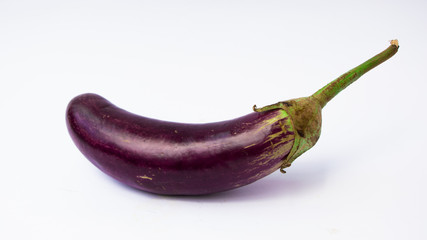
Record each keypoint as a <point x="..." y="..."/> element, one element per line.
<point x="177" y="158"/>
<point x="191" y="159"/>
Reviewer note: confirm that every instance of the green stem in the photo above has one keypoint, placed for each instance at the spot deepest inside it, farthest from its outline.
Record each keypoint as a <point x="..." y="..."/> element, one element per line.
<point x="325" y="94"/>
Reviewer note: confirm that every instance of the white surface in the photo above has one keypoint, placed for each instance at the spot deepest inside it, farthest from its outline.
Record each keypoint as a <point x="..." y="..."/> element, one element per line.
<point x="203" y="61"/>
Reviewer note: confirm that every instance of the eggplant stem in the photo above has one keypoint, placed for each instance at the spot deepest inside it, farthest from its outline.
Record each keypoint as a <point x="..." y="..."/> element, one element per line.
<point x="325" y="94"/>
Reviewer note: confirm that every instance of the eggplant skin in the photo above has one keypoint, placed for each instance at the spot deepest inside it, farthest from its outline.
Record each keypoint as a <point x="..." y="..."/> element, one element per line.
<point x="178" y="158"/>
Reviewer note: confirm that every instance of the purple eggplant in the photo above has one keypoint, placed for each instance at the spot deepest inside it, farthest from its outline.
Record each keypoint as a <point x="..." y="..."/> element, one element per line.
<point x="192" y="159"/>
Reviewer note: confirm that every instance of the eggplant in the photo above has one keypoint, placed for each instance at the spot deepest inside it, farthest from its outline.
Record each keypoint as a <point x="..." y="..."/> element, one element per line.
<point x="172" y="158"/>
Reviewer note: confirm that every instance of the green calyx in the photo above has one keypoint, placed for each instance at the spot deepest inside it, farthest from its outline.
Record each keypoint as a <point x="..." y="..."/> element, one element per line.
<point x="305" y="112"/>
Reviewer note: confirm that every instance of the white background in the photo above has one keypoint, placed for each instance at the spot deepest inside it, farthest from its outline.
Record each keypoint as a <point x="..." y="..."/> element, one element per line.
<point x="204" y="61"/>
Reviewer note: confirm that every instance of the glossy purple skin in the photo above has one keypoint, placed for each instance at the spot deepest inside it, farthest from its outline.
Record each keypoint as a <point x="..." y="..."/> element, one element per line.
<point x="177" y="158"/>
